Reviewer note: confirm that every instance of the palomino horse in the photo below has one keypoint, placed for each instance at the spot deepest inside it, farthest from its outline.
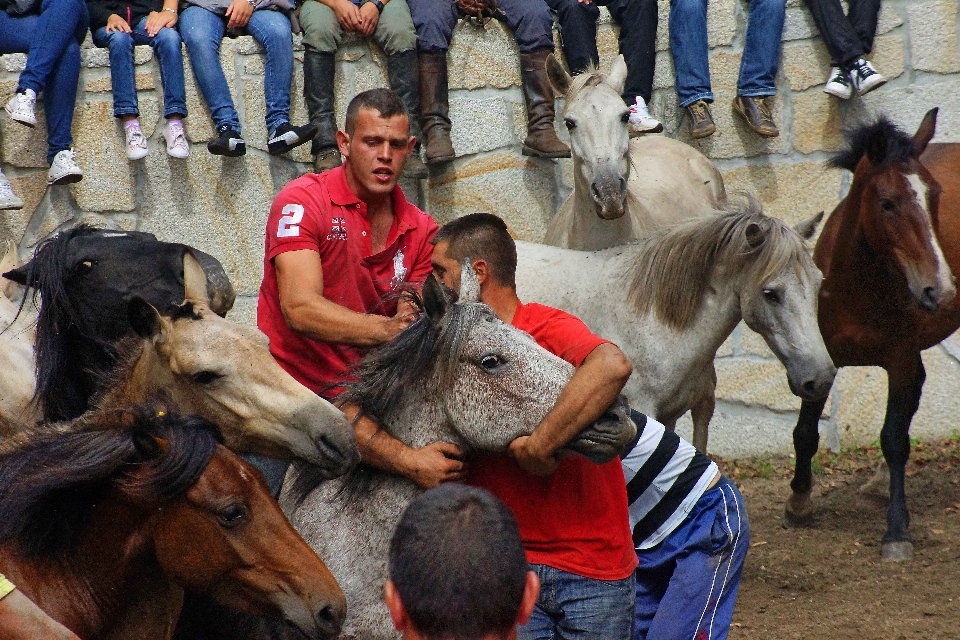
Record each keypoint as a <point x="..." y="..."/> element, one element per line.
<point x="669" y="303"/>
<point x="16" y="356"/>
<point x="458" y="375"/>
<point x="86" y="277"/>
<point x="104" y="529"/>
<point x="623" y="189"/>
<point x="888" y="293"/>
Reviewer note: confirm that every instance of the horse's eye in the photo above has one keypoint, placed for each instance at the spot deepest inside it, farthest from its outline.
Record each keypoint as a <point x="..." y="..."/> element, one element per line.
<point x="625" y="117"/>
<point x="232" y="515"/>
<point x="84" y="267"/>
<point x="887" y="205"/>
<point x="570" y="124"/>
<point x="206" y="377"/>
<point x="490" y="362"/>
<point x="771" y="296"/>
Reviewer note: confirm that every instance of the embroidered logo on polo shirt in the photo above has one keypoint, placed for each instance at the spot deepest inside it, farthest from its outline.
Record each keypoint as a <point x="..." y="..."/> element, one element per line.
<point x="338" y="229"/>
<point x="399" y="271"/>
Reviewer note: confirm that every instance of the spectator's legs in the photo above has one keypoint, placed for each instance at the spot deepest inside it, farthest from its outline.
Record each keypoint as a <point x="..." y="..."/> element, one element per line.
<point x="122" y="74"/>
<point x="61" y="23"/>
<point x="166" y="45"/>
<point x="321" y="38"/>
<point x="691" y="53"/>
<point x="272" y="30"/>
<point x="761" y="51"/>
<point x="638" y="45"/>
<point x="843" y="41"/>
<point x="863" y="16"/>
<point x="578" y="32"/>
<point x="434" y="21"/>
<point x="203" y="30"/>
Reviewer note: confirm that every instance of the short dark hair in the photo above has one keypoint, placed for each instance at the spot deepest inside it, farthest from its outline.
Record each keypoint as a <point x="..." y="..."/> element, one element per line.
<point x="383" y="100"/>
<point x="482" y="236"/>
<point x="458" y="564"/>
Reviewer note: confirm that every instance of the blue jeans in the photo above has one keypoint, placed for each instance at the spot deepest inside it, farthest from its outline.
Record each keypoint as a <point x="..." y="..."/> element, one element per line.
<point x="166" y="44"/>
<point x="571" y="606"/>
<point x="761" y="50"/>
<point x="203" y="30"/>
<point x="530" y="21"/>
<point x="51" y="41"/>
<point x="687" y="585"/>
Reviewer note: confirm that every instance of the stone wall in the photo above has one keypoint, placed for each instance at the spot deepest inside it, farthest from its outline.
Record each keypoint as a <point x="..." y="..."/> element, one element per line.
<point x="220" y="204"/>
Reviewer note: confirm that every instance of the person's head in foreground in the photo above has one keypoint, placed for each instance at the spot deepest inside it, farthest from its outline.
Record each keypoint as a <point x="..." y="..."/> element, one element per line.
<point x="375" y="142"/>
<point x="457" y="568"/>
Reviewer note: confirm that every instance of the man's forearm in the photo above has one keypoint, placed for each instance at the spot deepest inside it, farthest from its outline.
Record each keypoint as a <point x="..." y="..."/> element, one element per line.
<point x="377" y="447"/>
<point x="321" y="319"/>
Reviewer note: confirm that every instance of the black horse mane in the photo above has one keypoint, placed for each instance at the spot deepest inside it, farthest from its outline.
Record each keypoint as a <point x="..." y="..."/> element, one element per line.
<point x="50" y="480"/>
<point x="881" y="141"/>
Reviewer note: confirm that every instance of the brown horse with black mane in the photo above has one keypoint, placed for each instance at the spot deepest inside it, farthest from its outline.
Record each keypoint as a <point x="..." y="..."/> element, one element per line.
<point x="104" y="529"/>
<point x="887" y="253"/>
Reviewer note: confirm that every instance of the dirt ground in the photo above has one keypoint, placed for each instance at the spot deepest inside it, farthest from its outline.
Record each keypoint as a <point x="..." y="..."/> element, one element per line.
<point x="827" y="581"/>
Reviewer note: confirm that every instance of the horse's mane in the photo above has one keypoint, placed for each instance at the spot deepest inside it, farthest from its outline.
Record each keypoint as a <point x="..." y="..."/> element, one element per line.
<point x="881" y="141"/>
<point x="673" y="271"/>
<point x="51" y="480"/>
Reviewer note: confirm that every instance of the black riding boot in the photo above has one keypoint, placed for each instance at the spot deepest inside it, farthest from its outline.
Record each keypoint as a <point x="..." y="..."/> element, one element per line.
<point x="318" y="72"/>
<point x="404" y="80"/>
<point x="541" y="138"/>
<point x="435" y="107"/>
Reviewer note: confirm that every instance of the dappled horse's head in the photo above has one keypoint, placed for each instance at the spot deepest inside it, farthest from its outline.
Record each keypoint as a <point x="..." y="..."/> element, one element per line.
<point x="85" y="277"/>
<point x="898" y="200"/>
<point x="596" y="118"/>
<point x="224" y="372"/>
<point x="166" y="485"/>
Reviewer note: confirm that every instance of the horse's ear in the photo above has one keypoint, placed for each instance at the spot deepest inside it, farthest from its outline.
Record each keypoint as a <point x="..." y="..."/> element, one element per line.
<point x="469" y="283"/>
<point x="194" y="280"/>
<point x="927" y="129"/>
<point x="808" y="228"/>
<point x="8" y="263"/>
<point x="618" y="74"/>
<point x="436" y="299"/>
<point x="20" y="275"/>
<point x="558" y="76"/>
<point x="754" y="235"/>
<point x="144" y="319"/>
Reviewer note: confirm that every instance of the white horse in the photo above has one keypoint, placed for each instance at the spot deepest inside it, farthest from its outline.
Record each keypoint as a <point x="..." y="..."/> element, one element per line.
<point x="670" y="301"/>
<point x="16" y="355"/>
<point x="457" y="375"/>
<point x="623" y="189"/>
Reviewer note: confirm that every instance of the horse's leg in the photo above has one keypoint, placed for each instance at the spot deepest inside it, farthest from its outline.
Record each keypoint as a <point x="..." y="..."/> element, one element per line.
<point x="806" y="439"/>
<point x="702" y="411"/>
<point x="905" y="386"/>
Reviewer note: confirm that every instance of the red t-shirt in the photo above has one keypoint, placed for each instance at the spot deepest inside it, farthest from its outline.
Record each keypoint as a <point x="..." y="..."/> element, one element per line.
<point x="575" y="520"/>
<point x="320" y="213"/>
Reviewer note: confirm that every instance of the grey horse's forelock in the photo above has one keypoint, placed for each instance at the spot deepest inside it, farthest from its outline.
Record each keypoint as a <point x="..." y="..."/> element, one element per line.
<point x="673" y="272"/>
<point x="590" y="77"/>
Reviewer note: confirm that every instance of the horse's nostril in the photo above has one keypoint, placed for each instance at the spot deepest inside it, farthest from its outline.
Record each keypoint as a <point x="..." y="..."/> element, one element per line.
<point x="595" y="191"/>
<point x="929" y="298"/>
<point x="623" y="185"/>
<point x="329" y="620"/>
<point x="809" y="387"/>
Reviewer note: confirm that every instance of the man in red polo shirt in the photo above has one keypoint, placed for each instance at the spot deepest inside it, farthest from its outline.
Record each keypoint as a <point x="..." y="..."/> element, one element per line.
<point x="338" y="244"/>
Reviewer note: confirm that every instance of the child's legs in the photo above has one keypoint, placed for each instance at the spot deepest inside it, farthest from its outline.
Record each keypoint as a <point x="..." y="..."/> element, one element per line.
<point x="166" y="44"/>
<point x="59" y="98"/>
<point x="272" y="30"/>
<point x="203" y="30"/>
<point x="122" y="72"/>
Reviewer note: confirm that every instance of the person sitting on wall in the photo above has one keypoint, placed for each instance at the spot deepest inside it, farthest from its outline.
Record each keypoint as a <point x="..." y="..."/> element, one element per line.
<point x="532" y="26"/>
<point x="638" y="36"/>
<point x="203" y="24"/>
<point x="50" y="33"/>
<point x="118" y="25"/>
<point x="390" y="25"/>
<point x="848" y="38"/>
<point x="758" y="67"/>
<point x="446" y="534"/>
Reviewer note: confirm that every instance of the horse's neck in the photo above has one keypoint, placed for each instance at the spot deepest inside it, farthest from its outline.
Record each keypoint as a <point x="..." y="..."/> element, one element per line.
<point x="137" y="379"/>
<point x="420" y="423"/>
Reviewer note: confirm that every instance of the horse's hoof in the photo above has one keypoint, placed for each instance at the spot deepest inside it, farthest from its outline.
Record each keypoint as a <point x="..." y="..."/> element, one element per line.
<point x="900" y="551"/>
<point x="798" y="512"/>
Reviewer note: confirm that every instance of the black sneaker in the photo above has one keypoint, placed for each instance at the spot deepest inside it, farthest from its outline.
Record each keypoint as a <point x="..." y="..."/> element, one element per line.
<point x="227" y="143"/>
<point x="287" y="136"/>
<point x="865" y="78"/>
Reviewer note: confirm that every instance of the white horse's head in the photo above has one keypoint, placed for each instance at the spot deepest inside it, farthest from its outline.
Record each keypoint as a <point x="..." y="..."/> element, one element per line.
<point x="596" y="117"/>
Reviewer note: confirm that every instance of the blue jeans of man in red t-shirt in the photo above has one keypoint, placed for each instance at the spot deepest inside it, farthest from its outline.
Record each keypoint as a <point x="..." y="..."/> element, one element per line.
<point x="571" y="606"/>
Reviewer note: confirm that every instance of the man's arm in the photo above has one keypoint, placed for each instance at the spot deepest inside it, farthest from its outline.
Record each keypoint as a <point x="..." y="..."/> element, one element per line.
<point x="592" y="389"/>
<point x="309" y="313"/>
<point x="428" y="466"/>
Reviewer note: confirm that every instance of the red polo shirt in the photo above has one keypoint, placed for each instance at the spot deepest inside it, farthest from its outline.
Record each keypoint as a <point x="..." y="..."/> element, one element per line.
<point x="575" y="520"/>
<point x="320" y="213"/>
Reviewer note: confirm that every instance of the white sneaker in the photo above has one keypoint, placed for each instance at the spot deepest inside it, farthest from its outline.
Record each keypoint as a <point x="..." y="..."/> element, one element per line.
<point x="64" y="169"/>
<point x="8" y="199"/>
<point x="864" y="77"/>
<point x="177" y="146"/>
<point x="641" y="121"/>
<point x="21" y="107"/>
<point x="839" y="84"/>
<point x="136" y="143"/>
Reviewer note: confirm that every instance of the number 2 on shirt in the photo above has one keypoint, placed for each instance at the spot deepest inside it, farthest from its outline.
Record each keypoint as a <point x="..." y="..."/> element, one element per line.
<point x="290" y="217"/>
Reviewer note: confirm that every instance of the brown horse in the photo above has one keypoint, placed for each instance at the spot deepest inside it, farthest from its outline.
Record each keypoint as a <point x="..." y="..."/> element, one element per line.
<point x="104" y="529"/>
<point x="888" y="293"/>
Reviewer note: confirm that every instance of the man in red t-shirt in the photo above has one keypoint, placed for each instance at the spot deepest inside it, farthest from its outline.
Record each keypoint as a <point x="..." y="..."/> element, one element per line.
<point x="339" y="245"/>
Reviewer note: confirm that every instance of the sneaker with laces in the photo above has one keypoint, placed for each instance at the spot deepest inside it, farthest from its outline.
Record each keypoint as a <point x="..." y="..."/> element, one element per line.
<point x="136" y="143"/>
<point x="641" y="121"/>
<point x="286" y="137"/>
<point x="839" y="84"/>
<point x="227" y="143"/>
<point x="64" y="169"/>
<point x="864" y="77"/>
<point x="8" y="199"/>
<point x="21" y="107"/>
<point x="701" y="120"/>
<point x="176" y="138"/>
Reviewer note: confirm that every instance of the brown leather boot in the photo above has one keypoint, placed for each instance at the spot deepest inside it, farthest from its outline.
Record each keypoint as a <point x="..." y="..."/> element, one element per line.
<point x="435" y="108"/>
<point x="542" y="140"/>
<point x="756" y="114"/>
<point x="701" y="121"/>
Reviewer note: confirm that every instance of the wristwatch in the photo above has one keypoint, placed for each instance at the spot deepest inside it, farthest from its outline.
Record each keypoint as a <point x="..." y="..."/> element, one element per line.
<point x="378" y="4"/>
